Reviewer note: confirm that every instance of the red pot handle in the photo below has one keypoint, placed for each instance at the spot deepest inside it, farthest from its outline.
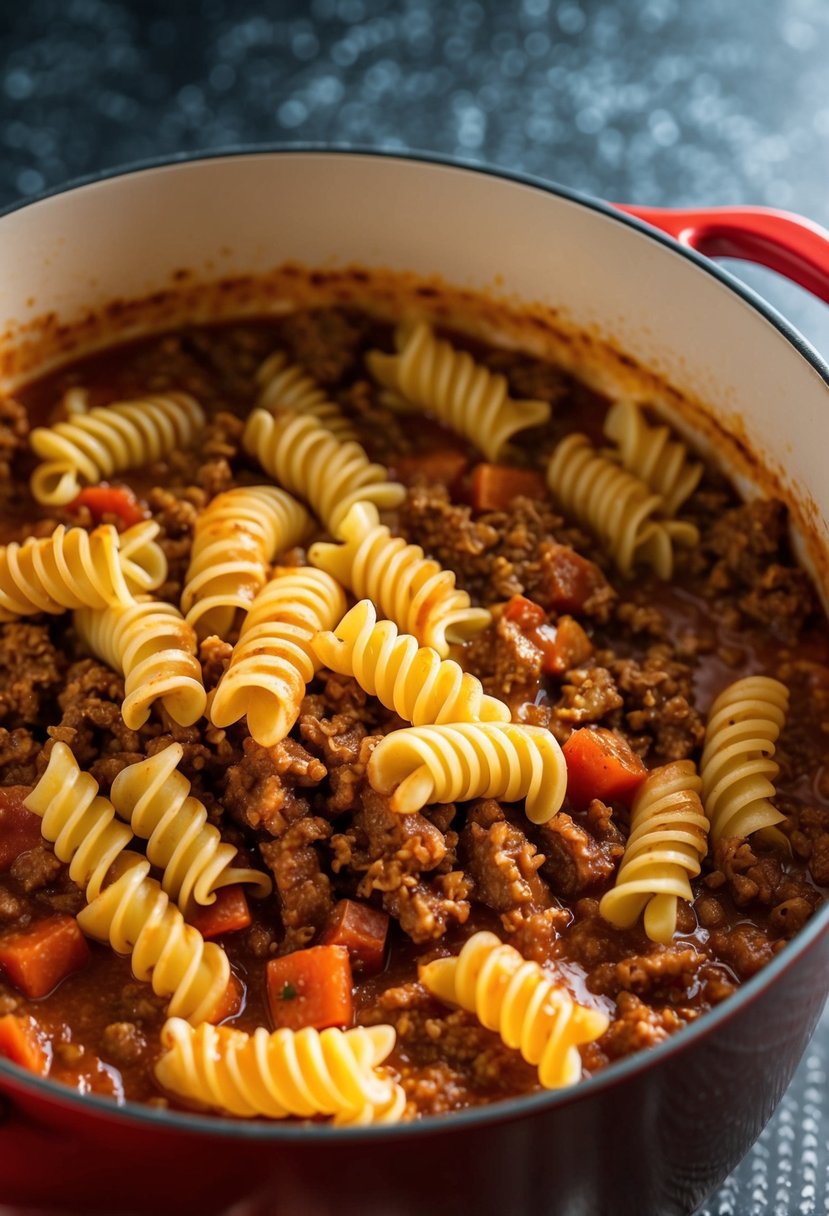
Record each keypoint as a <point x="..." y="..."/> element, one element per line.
<point x="782" y="241"/>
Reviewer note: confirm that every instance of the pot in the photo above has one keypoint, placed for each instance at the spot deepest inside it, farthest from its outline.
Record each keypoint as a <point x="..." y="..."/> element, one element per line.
<point x="605" y="291"/>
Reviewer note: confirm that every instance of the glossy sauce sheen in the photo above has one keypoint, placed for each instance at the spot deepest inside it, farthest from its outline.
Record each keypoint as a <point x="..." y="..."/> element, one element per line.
<point x="445" y="1059"/>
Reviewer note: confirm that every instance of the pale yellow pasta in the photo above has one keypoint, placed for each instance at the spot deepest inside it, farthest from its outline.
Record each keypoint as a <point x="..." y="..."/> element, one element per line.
<point x="155" y="650"/>
<point x="667" y="841"/>
<point x="236" y="538"/>
<point x="651" y="454"/>
<point x="74" y="568"/>
<point x="135" y="917"/>
<point x="521" y="1002"/>
<point x="431" y="374"/>
<point x="287" y="386"/>
<point x="287" y="1072"/>
<point x="617" y="506"/>
<point x="95" y="444"/>
<point x="737" y="768"/>
<point x="155" y="800"/>
<point x="77" y="820"/>
<point x="408" y="678"/>
<point x="274" y="660"/>
<point x="304" y="457"/>
<point x="412" y="590"/>
<point x="506" y="760"/>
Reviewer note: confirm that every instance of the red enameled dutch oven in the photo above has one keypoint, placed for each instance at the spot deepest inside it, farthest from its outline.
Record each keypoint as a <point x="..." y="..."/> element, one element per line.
<point x="655" y="1133"/>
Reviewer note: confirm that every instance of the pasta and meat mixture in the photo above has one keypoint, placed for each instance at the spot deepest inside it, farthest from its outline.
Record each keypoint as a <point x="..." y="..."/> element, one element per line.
<point x="389" y="724"/>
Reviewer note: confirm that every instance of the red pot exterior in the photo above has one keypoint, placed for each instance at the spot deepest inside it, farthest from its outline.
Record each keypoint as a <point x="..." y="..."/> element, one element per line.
<point x="657" y="1140"/>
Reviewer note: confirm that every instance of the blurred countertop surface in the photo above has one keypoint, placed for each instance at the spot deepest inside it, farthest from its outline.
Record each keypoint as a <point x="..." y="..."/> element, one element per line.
<point x="661" y="102"/>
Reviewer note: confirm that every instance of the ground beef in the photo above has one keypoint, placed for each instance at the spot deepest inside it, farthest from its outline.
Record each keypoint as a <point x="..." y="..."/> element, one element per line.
<point x="304" y="890"/>
<point x="19" y="752"/>
<point x="14" y="430"/>
<point x="575" y="860"/>
<point x="664" y="973"/>
<point x="502" y="862"/>
<point x="504" y="658"/>
<point x="32" y="672"/>
<point x="658" y="708"/>
<point x="122" y="1043"/>
<point x="260" y="790"/>
<point x="427" y="910"/>
<point x="637" y="1026"/>
<point x="588" y="694"/>
<point x="755" y="570"/>
<point x="36" y="868"/>
<point x="91" y="722"/>
<point x="745" y="948"/>
<point x="385" y="848"/>
<point x="176" y="517"/>
<point x="761" y="880"/>
<point x="13" y="909"/>
<point x="327" y="341"/>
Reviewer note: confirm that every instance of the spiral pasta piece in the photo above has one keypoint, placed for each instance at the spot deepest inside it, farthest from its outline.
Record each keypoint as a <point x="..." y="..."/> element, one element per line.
<point x="95" y="444"/>
<point x="519" y="1001"/>
<point x="74" y="568"/>
<point x="650" y="454"/>
<point x="737" y="768"/>
<point x="155" y="650"/>
<point x="617" y="506"/>
<point x="302" y="1073"/>
<point x="410" y="679"/>
<point x="287" y="386"/>
<point x="506" y="760"/>
<point x="236" y="538"/>
<point x="156" y="801"/>
<point x="407" y="587"/>
<point x="431" y="374"/>
<point x="274" y="660"/>
<point x="304" y="457"/>
<point x="135" y="917"/>
<point x="668" y="839"/>
<point x="77" y="820"/>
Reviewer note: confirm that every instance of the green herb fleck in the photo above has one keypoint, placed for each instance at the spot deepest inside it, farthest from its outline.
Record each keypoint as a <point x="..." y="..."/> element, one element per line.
<point x="288" y="993"/>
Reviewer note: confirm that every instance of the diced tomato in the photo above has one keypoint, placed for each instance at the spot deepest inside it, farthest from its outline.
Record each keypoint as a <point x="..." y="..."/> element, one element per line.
<point x="111" y="500"/>
<point x="230" y="1002"/>
<point x="19" y="828"/>
<point x="362" y="930"/>
<point x="311" y="988"/>
<point x="442" y="465"/>
<point x="20" y="1042"/>
<point x="600" y="764"/>
<point x="525" y="613"/>
<point x="571" y="579"/>
<point x="494" y="486"/>
<point x="36" y="959"/>
<point x="564" y="645"/>
<point x="227" y="914"/>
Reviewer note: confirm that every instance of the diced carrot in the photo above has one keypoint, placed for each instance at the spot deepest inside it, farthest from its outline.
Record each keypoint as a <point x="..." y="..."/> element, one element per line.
<point x="362" y="930"/>
<point x="600" y="764"/>
<point x="35" y="960"/>
<point x="230" y="1002"/>
<point x="311" y="988"/>
<point x="571" y="578"/>
<point x="564" y="645"/>
<point x="227" y="914"/>
<point x="525" y="613"/>
<point x="19" y="828"/>
<point x="111" y="500"/>
<point x="20" y="1042"/>
<point x="495" y="485"/>
<point x="442" y="465"/>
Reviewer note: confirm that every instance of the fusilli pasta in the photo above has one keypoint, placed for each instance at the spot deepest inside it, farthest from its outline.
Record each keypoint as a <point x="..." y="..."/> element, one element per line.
<point x="423" y="764"/>
<point x="107" y="440"/>
<point x="617" y="506"/>
<point x="737" y="768"/>
<point x="650" y="454"/>
<point x="521" y="1002"/>
<point x="303" y="1073"/>
<point x="410" y="589"/>
<point x="155" y="799"/>
<point x="668" y="839"/>
<point x="155" y="650"/>
<point x="136" y="918"/>
<point x="287" y="386"/>
<point x="273" y="660"/>
<point x="73" y="568"/>
<point x="431" y="374"/>
<point x="79" y="822"/>
<point x="237" y="537"/>
<point x="410" y="679"/>
<point x="304" y="457"/>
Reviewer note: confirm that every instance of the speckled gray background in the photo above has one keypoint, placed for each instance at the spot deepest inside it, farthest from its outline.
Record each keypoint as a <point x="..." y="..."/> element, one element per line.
<point x="671" y="102"/>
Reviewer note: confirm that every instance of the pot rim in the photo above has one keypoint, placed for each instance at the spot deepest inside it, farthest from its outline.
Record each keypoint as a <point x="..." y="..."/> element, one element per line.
<point x="529" y="1104"/>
